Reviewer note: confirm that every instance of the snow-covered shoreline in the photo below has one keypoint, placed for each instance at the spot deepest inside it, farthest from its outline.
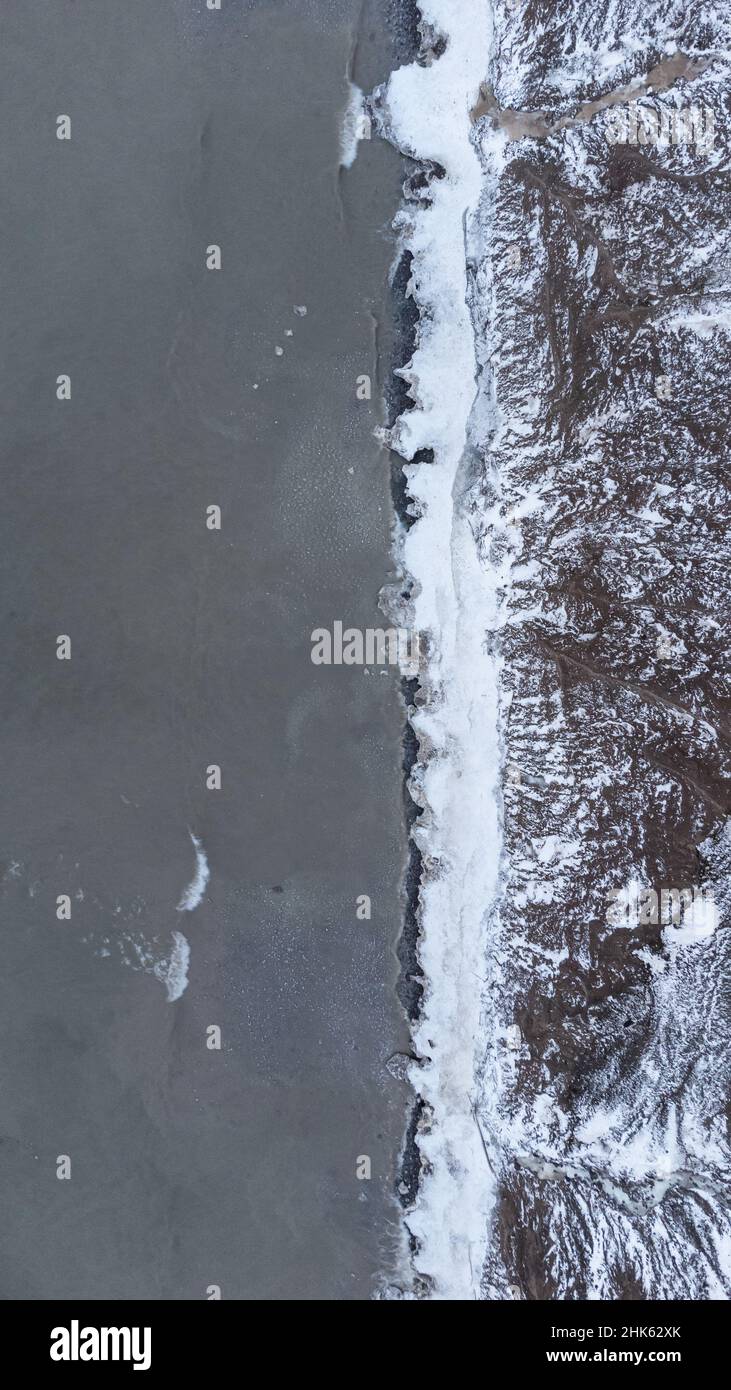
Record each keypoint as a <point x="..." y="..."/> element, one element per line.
<point x="455" y="601"/>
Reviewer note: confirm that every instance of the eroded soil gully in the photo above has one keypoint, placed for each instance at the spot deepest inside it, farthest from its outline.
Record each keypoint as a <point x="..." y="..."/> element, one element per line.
<point x="536" y="125"/>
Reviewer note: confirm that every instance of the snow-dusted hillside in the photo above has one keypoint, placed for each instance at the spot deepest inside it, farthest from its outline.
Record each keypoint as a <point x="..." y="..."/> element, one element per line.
<point x="570" y="563"/>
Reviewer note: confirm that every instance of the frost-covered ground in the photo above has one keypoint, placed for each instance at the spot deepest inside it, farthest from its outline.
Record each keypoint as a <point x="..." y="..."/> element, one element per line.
<point x="567" y="468"/>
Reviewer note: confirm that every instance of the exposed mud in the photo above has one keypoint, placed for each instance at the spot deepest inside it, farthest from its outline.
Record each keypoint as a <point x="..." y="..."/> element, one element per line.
<point x="537" y="125"/>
